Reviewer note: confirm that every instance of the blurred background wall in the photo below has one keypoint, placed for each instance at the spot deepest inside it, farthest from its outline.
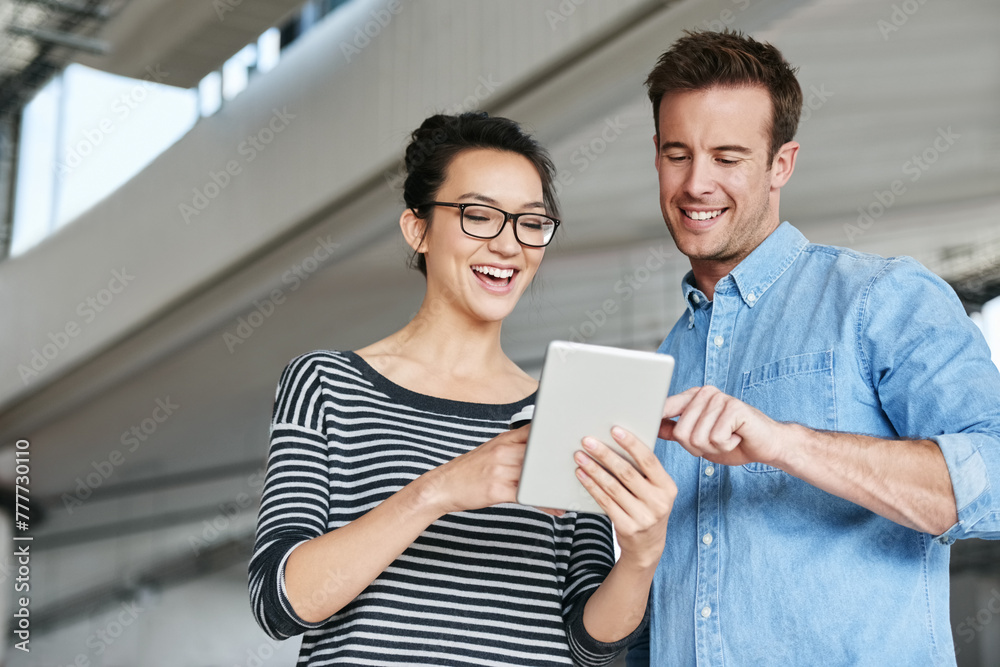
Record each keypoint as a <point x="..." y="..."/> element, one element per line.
<point x="193" y="193"/>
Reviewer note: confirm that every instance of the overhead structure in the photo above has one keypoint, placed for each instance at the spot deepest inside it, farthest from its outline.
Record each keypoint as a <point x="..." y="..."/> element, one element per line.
<point x="185" y="39"/>
<point x="40" y="37"/>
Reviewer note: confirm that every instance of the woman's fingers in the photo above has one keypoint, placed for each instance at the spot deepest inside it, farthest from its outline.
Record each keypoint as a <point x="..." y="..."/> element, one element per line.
<point x="486" y="475"/>
<point x="553" y="512"/>
<point x="644" y="457"/>
<point x="616" y="478"/>
<point x="645" y="494"/>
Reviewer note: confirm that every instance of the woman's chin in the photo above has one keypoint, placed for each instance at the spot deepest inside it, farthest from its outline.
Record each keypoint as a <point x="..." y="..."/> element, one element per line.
<point x="494" y="309"/>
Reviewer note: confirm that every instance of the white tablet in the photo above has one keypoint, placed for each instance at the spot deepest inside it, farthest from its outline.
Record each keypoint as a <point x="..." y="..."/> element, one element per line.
<point x="586" y="390"/>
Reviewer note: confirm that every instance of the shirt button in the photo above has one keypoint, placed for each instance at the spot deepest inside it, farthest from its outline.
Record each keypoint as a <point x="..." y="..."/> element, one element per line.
<point x="707" y="539"/>
<point x="706" y="612"/>
<point x="709" y="471"/>
<point x="696" y="298"/>
<point x="719" y="340"/>
<point x="751" y="298"/>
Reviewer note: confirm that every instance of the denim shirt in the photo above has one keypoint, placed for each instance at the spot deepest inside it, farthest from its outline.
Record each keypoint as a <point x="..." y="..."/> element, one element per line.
<point x="761" y="568"/>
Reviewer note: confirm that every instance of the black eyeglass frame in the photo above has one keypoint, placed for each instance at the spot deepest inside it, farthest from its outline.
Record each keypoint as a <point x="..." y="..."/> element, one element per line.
<point x="506" y="216"/>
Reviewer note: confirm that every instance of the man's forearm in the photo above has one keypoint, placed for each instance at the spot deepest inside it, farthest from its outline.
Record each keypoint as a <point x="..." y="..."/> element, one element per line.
<point x="906" y="481"/>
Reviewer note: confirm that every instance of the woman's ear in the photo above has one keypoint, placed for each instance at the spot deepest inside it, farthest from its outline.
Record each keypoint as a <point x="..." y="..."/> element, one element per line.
<point x="414" y="230"/>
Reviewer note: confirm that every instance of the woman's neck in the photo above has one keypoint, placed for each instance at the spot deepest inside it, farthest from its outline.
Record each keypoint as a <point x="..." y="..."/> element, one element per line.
<point x="445" y="338"/>
<point x="443" y="352"/>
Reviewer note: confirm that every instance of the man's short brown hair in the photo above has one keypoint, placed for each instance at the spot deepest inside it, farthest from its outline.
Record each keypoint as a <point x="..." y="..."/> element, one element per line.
<point x="702" y="60"/>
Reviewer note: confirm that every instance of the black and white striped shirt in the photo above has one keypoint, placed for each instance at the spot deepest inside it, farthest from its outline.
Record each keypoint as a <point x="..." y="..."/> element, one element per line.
<point x="503" y="585"/>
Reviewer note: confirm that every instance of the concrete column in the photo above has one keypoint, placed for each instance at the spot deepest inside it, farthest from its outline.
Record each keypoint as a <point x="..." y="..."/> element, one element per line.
<point x="10" y="129"/>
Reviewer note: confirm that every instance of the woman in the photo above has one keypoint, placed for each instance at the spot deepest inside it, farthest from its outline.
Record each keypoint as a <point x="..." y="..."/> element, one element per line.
<point x="387" y="530"/>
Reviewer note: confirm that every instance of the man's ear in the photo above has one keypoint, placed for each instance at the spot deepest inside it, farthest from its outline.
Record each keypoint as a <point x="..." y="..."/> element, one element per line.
<point x="414" y="230"/>
<point x="656" y="152"/>
<point x="783" y="164"/>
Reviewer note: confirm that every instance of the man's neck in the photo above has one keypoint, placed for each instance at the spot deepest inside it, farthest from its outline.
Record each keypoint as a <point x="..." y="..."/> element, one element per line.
<point x="707" y="273"/>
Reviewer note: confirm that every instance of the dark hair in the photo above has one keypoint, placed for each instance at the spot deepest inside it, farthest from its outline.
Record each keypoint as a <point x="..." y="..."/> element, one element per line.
<point x="440" y="138"/>
<point x="701" y="60"/>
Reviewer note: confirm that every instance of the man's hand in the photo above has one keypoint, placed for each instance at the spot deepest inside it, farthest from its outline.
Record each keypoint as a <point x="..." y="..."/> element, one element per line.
<point x="906" y="481"/>
<point x="722" y="429"/>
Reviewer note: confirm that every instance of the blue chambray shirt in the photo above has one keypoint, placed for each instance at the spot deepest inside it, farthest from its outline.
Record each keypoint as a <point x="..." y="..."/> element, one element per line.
<point x="761" y="568"/>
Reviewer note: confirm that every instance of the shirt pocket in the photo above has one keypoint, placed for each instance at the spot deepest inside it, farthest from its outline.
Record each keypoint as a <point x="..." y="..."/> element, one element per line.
<point x="796" y="389"/>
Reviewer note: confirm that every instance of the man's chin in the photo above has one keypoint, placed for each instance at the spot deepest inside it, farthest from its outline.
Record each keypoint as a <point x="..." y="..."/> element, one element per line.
<point x="701" y="248"/>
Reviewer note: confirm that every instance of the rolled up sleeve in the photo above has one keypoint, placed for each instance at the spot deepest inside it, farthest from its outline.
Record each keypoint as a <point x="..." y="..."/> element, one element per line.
<point x="935" y="379"/>
<point x="971" y="458"/>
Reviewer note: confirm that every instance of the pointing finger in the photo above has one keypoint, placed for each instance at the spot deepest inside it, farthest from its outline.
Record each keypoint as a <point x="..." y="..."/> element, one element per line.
<point x="676" y="404"/>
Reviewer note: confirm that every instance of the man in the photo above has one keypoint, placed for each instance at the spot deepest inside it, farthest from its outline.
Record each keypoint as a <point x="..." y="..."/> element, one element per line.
<point x="794" y="539"/>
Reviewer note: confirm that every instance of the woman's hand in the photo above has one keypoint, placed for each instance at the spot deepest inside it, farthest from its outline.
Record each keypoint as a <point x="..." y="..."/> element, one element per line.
<point x="638" y="501"/>
<point x="485" y="476"/>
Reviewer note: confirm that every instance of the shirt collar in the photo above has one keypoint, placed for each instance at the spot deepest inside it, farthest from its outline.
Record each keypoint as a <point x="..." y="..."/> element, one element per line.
<point x="755" y="274"/>
<point x="694" y="298"/>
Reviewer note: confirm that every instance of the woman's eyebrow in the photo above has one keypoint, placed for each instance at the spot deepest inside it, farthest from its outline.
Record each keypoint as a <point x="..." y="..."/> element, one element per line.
<point x="493" y="202"/>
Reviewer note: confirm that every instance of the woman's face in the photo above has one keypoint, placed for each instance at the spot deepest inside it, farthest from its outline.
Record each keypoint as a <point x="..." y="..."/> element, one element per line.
<point x="458" y="265"/>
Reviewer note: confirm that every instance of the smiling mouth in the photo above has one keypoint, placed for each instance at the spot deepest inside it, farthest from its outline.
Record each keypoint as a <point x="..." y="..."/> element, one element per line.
<point x="701" y="216"/>
<point x="495" y="277"/>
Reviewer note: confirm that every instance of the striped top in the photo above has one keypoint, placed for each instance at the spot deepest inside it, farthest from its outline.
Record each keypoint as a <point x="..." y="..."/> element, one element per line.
<point x="503" y="585"/>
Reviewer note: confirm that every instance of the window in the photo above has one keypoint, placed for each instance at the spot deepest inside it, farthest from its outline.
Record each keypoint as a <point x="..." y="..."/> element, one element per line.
<point x="84" y="135"/>
<point x="988" y="320"/>
<point x="87" y="132"/>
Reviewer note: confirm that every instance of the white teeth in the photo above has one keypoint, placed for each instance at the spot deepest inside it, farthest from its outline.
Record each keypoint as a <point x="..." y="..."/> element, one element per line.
<point x="703" y="215"/>
<point x="493" y="271"/>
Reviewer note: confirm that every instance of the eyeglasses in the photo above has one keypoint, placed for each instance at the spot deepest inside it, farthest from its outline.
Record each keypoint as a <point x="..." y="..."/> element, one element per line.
<point x="486" y="222"/>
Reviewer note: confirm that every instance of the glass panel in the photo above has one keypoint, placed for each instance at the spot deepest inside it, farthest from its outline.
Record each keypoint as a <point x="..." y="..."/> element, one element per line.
<point x="33" y="219"/>
<point x="268" y="50"/>
<point x="113" y="127"/>
<point x="991" y="327"/>
<point x="236" y="71"/>
<point x="210" y="93"/>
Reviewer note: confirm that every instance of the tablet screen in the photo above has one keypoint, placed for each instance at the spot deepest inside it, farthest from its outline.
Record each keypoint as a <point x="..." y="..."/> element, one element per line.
<point x="586" y="390"/>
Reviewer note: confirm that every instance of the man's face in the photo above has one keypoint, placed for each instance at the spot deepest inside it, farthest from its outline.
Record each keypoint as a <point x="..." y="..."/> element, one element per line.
<point x="718" y="192"/>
